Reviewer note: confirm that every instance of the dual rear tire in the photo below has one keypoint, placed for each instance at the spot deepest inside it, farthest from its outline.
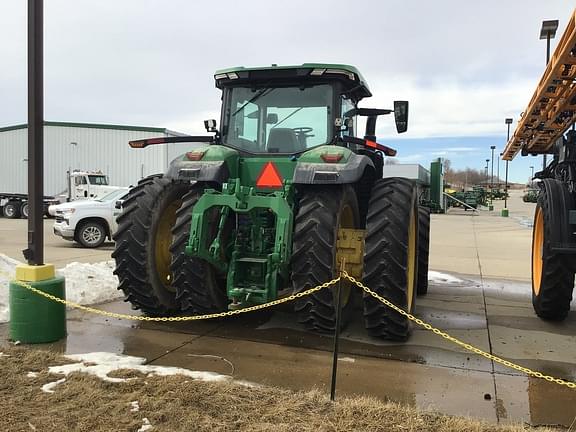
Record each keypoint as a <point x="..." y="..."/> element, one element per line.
<point x="158" y="278"/>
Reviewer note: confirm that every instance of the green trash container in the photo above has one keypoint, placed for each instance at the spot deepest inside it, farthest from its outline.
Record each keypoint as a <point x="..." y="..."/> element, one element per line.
<point x="504" y="212"/>
<point x="33" y="318"/>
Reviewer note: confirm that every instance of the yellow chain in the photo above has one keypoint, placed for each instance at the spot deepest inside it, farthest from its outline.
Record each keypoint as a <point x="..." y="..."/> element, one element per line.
<point x="344" y="275"/>
<point x="457" y="341"/>
<point x="176" y="318"/>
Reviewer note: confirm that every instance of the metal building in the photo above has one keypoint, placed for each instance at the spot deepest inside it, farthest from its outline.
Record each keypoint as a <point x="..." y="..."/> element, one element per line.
<point x="83" y="146"/>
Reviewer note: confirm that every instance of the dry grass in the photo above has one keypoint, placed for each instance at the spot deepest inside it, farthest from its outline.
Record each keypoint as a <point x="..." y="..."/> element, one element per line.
<point x="85" y="403"/>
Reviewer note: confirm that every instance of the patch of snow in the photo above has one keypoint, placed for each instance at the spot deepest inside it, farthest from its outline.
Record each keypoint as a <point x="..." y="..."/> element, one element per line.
<point x="134" y="406"/>
<point x="32" y="374"/>
<point x="85" y="283"/>
<point x="3" y="355"/>
<point x="49" y="388"/>
<point x="90" y="283"/>
<point x="442" y="278"/>
<point x="7" y="270"/>
<point x="347" y="359"/>
<point x="100" y="364"/>
<point x="146" y="426"/>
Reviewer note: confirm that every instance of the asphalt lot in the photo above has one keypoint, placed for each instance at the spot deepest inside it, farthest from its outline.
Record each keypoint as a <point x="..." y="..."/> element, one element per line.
<point x="489" y="307"/>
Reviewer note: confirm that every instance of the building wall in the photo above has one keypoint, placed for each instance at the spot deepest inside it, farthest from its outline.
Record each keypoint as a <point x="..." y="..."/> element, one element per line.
<point x="106" y="150"/>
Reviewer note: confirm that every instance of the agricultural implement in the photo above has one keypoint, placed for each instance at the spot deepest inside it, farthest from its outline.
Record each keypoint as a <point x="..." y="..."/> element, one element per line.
<point x="542" y="130"/>
<point x="275" y="202"/>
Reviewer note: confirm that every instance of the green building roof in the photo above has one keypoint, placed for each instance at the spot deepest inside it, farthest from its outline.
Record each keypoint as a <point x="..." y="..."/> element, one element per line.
<point x="93" y="126"/>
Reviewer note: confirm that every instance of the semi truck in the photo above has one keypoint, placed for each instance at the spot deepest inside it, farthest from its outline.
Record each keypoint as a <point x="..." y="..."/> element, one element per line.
<point x="80" y="185"/>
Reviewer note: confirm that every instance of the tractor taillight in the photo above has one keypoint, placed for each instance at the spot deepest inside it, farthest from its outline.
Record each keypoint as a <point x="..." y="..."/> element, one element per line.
<point x="195" y="156"/>
<point x="331" y="157"/>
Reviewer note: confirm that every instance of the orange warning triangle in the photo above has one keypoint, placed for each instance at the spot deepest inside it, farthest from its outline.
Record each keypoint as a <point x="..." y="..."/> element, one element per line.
<point x="269" y="177"/>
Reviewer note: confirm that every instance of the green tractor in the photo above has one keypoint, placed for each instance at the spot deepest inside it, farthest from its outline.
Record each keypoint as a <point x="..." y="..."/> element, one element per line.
<point x="275" y="202"/>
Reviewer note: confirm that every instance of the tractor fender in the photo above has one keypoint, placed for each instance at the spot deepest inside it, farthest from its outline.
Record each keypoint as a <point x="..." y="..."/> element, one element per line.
<point x="332" y="173"/>
<point x="563" y="213"/>
<point x="203" y="171"/>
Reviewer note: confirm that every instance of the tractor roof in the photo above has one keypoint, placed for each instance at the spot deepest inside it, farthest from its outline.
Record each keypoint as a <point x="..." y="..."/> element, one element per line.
<point x="348" y="75"/>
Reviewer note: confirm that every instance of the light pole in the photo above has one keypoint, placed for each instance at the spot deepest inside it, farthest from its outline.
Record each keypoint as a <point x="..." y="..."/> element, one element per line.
<point x="486" y="169"/>
<point x="532" y="176"/>
<point x="508" y="122"/>
<point x="548" y="31"/>
<point x="492" y="170"/>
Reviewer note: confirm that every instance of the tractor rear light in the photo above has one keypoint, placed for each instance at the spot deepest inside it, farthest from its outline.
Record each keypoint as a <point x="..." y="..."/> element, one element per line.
<point x="233" y="75"/>
<point x="194" y="155"/>
<point x="331" y="157"/>
<point x="220" y="76"/>
<point x="317" y="72"/>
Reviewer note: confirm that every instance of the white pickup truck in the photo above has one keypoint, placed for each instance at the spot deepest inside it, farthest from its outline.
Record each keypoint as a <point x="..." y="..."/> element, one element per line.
<point x="88" y="222"/>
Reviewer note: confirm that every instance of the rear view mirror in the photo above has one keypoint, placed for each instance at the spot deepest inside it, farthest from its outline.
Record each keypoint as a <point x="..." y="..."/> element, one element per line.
<point x="272" y="118"/>
<point x="401" y="115"/>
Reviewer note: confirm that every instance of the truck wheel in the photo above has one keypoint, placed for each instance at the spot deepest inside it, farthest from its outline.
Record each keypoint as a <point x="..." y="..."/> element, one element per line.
<point x="322" y="212"/>
<point x="198" y="289"/>
<point x="391" y="257"/>
<point x="12" y="210"/>
<point x="91" y="234"/>
<point x="423" y="249"/>
<point x="24" y="210"/>
<point x="552" y="273"/>
<point x="143" y="239"/>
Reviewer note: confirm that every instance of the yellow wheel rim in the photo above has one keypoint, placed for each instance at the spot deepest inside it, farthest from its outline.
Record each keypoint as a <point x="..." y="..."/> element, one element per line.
<point x="411" y="267"/>
<point x="537" y="247"/>
<point x="163" y="239"/>
<point x="346" y="221"/>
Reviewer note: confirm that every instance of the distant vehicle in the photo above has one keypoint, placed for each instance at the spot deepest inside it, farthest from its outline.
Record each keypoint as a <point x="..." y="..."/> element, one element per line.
<point x="88" y="222"/>
<point x="531" y="196"/>
<point x="81" y="185"/>
<point x="84" y="185"/>
<point x="14" y="206"/>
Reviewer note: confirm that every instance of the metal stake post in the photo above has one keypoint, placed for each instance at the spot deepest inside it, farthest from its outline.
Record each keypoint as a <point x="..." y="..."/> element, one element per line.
<point x="35" y="252"/>
<point x="336" y="335"/>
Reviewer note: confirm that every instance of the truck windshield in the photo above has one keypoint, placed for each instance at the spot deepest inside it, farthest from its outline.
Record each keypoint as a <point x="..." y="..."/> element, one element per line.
<point x="278" y="119"/>
<point x="116" y="195"/>
<point x="98" y="180"/>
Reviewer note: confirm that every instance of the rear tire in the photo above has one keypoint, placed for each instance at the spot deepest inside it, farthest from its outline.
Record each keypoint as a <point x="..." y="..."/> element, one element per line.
<point x="322" y="211"/>
<point x="143" y="240"/>
<point x="12" y="210"/>
<point x="552" y="273"/>
<point x="390" y="258"/>
<point x="423" y="249"/>
<point x="24" y="210"/>
<point x="198" y="290"/>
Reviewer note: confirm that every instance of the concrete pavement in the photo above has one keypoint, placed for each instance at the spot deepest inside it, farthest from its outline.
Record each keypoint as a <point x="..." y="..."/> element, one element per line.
<point x="483" y="243"/>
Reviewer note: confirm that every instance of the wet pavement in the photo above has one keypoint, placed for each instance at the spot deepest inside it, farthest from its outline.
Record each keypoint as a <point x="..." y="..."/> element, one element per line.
<point x="427" y="372"/>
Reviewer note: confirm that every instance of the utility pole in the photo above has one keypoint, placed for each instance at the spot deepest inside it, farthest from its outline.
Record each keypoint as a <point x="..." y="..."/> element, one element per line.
<point x="508" y="122"/>
<point x="492" y="170"/>
<point x="34" y="254"/>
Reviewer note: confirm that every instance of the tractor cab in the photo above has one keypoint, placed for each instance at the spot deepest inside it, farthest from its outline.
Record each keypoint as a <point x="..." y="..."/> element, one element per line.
<point x="291" y="109"/>
<point x="288" y="110"/>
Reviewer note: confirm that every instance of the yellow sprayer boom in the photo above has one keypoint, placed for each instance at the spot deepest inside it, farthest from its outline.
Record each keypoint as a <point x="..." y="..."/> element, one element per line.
<point x="552" y="109"/>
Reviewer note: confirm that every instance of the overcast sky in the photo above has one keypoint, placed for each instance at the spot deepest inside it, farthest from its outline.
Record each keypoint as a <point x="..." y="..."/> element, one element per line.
<point x="463" y="65"/>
